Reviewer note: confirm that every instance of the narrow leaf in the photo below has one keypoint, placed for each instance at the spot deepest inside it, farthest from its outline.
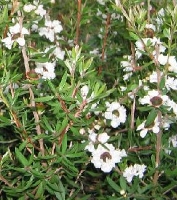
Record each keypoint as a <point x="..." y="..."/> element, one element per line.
<point x="113" y="184"/>
<point x="21" y="157"/>
<point x="151" y="117"/>
<point x="44" y="99"/>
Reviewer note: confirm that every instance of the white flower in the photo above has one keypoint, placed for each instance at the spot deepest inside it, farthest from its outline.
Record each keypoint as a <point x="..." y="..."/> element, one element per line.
<point x="29" y="7"/>
<point x="57" y="52"/>
<point x="152" y="42"/>
<point x="153" y="127"/>
<point x="170" y="60"/>
<point x="95" y="51"/>
<point x="95" y="138"/>
<point x="8" y="42"/>
<point x="126" y="64"/>
<point x="160" y="14"/>
<point x="127" y="76"/>
<point x="162" y="59"/>
<point x="40" y="10"/>
<point x="153" y="77"/>
<point x="116" y="113"/>
<point x="155" y="99"/>
<point x="106" y="157"/>
<point x="127" y="67"/>
<point x="150" y="26"/>
<point x="136" y="170"/>
<point x="84" y="93"/>
<point x="47" y="70"/>
<point x="172" y="141"/>
<point x="171" y="83"/>
<point x="16" y="33"/>
<point x="172" y="64"/>
<point x="50" y="29"/>
<point x="117" y="2"/>
<point x="173" y="106"/>
<point x="101" y="2"/>
<point x="103" y="137"/>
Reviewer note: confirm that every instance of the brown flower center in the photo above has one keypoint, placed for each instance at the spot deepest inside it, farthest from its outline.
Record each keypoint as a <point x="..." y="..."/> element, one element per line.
<point x="105" y="155"/>
<point x="150" y="125"/>
<point x="156" y="101"/>
<point x="32" y="75"/>
<point x="116" y="113"/>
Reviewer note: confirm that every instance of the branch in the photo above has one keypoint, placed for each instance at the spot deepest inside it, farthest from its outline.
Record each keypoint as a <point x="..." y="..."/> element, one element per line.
<point x="78" y="21"/>
<point x="105" y="40"/>
<point x="32" y="102"/>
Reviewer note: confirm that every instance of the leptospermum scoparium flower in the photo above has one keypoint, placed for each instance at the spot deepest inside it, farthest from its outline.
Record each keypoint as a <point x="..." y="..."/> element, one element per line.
<point x="116" y="113"/>
<point x="154" y="127"/>
<point x="16" y="34"/>
<point x="134" y="170"/>
<point x="106" y="156"/>
<point x="46" y="70"/>
<point x="155" y="99"/>
<point x="96" y="138"/>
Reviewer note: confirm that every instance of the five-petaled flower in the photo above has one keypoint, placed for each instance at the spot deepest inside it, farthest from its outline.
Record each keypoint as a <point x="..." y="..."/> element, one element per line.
<point x="105" y="156"/>
<point x="116" y="113"/>
<point x="16" y="34"/>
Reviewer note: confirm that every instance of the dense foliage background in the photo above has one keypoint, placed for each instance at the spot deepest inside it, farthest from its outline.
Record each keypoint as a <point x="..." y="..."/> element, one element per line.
<point x="88" y="103"/>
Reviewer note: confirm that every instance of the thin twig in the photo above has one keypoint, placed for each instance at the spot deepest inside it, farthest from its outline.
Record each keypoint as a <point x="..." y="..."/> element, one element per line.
<point x="5" y="181"/>
<point x="32" y="102"/>
<point x="76" y="115"/>
<point x="136" y="149"/>
<point x="108" y="21"/>
<point x="148" y="11"/>
<point x="79" y="3"/>
<point x="159" y="117"/>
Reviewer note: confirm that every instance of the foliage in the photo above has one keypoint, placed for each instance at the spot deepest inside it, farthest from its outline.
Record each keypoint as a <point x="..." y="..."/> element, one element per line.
<point x="87" y="99"/>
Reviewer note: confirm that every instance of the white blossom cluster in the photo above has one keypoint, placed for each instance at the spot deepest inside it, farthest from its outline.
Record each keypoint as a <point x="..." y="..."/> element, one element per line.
<point x="104" y="155"/>
<point x="134" y="170"/>
<point x="15" y="34"/>
<point x="50" y="30"/>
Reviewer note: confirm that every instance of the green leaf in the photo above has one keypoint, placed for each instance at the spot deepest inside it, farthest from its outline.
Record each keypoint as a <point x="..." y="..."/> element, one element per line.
<point x="162" y="83"/>
<point x="123" y="183"/>
<point x="76" y="155"/>
<point x="37" y="174"/>
<point x="64" y="144"/>
<point x="166" y="32"/>
<point x="21" y="157"/>
<point x="133" y="36"/>
<point x="88" y="64"/>
<point x="44" y="99"/>
<point x="51" y="85"/>
<point x="113" y="184"/>
<point x="63" y="81"/>
<point x="40" y="191"/>
<point x="47" y="124"/>
<point x="151" y="117"/>
<point x="5" y="120"/>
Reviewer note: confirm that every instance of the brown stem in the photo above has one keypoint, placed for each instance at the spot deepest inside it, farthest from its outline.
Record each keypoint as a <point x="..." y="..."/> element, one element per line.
<point x="105" y="41"/>
<point x="32" y="102"/>
<point x="159" y="116"/>
<point x="133" y="114"/>
<point x="174" y="3"/>
<point x="36" y="118"/>
<point x="136" y="149"/>
<point x="158" y="149"/>
<point x="79" y="3"/>
<point x="148" y="11"/>
<point x="5" y="181"/>
<point x="76" y="115"/>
